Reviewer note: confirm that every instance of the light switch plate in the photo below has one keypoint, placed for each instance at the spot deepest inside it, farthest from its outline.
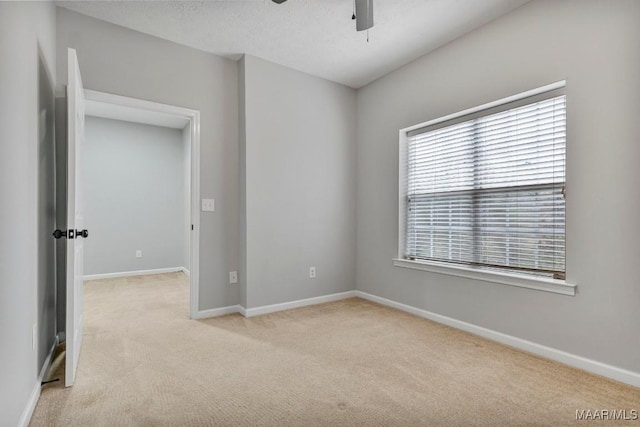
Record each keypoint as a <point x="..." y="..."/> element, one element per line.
<point x="208" y="205"/>
<point x="233" y="277"/>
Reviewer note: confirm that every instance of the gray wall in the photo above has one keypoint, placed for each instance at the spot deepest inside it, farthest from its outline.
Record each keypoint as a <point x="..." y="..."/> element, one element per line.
<point x="124" y="62"/>
<point x="46" y="214"/>
<point x="61" y="212"/>
<point x="134" y="196"/>
<point x="595" y="46"/>
<point x="299" y="185"/>
<point x="24" y="29"/>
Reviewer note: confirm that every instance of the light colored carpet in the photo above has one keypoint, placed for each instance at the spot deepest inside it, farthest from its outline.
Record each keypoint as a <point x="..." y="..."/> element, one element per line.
<point x="352" y="362"/>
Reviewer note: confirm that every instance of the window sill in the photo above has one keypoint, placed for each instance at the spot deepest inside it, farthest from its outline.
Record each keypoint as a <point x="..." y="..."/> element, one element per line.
<point x="505" y="278"/>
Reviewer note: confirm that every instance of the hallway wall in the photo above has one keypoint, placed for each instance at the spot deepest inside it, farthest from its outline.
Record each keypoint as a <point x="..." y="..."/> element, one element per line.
<point x="134" y="196"/>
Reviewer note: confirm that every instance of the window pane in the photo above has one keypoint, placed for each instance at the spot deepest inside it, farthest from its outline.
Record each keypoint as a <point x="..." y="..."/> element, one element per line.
<point x="489" y="191"/>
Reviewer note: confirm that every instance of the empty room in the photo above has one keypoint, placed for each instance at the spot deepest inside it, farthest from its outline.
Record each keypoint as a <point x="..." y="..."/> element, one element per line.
<point x="305" y="212"/>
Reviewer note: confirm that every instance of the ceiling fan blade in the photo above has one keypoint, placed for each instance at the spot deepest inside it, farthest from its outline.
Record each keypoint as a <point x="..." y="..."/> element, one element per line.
<point x="364" y="14"/>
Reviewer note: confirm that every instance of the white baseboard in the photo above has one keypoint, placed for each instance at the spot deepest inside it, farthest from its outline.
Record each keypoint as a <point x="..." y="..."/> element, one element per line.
<point x="31" y="406"/>
<point x="242" y="311"/>
<point x="256" y="311"/>
<point x="215" y="312"/>
<point x="35" y="392"/>
<point x="599" y="368"/>
<point x="133" y="273"/>
<point x="185" y="271"/>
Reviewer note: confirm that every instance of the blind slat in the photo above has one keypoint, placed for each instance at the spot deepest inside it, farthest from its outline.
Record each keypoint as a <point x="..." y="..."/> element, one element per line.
<point x="490" y="190"/>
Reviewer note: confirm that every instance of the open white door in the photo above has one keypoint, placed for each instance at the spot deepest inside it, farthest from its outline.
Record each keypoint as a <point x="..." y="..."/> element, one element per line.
<point x="75" y="218"/>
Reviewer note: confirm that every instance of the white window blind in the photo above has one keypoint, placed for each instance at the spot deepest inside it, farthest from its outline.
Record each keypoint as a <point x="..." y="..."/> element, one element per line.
<point x="488" y="189"/>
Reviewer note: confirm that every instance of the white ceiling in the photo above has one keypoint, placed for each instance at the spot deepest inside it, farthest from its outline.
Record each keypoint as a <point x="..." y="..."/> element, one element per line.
<point x="314" y="36"/>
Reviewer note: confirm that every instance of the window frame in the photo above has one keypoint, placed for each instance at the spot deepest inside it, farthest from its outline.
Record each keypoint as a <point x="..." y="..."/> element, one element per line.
<point x="482" y="273"/>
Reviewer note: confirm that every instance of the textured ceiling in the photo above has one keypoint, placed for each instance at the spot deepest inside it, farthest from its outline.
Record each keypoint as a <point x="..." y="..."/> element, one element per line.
<point x="314" y="36"/>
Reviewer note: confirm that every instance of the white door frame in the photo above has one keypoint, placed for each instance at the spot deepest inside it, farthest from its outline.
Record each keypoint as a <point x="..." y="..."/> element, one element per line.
<point x="193" y="116"/>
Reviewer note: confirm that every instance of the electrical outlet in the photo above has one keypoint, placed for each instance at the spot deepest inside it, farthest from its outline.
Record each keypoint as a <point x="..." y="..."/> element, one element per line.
<point x="233" y="277"/>
<point x="208" y="205"/>
<point x="312" y="272"/>
<point x="138" y="253"/>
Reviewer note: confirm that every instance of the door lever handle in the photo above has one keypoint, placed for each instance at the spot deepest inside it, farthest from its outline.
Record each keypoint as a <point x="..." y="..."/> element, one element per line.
<point x="68" y="234"/>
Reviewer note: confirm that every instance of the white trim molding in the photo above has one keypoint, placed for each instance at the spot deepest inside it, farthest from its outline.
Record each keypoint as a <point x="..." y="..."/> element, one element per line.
<point x="492" y="276"/>
<point x="257" y="311"/>
<point x="31" y="406"/>
<point x="215" y="312"/>
<point x="194" y="249"/>
<point x="186" y="271"/>
<point x="35" y="392"/>
<point x="141" y="104"/>
<point x="513" y="98"/>
<point x="593" y="366"/>
<point x="133" y="273"/>
<point x="193" y="117"/>
<point x="265" y="309"/>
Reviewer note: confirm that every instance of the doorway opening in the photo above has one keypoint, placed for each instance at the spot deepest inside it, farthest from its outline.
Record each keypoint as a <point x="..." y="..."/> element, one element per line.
<point x="103" y="109"/>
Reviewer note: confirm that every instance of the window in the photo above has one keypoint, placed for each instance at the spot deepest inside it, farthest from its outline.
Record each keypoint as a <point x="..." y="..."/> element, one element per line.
<point x="487" y="188"/>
